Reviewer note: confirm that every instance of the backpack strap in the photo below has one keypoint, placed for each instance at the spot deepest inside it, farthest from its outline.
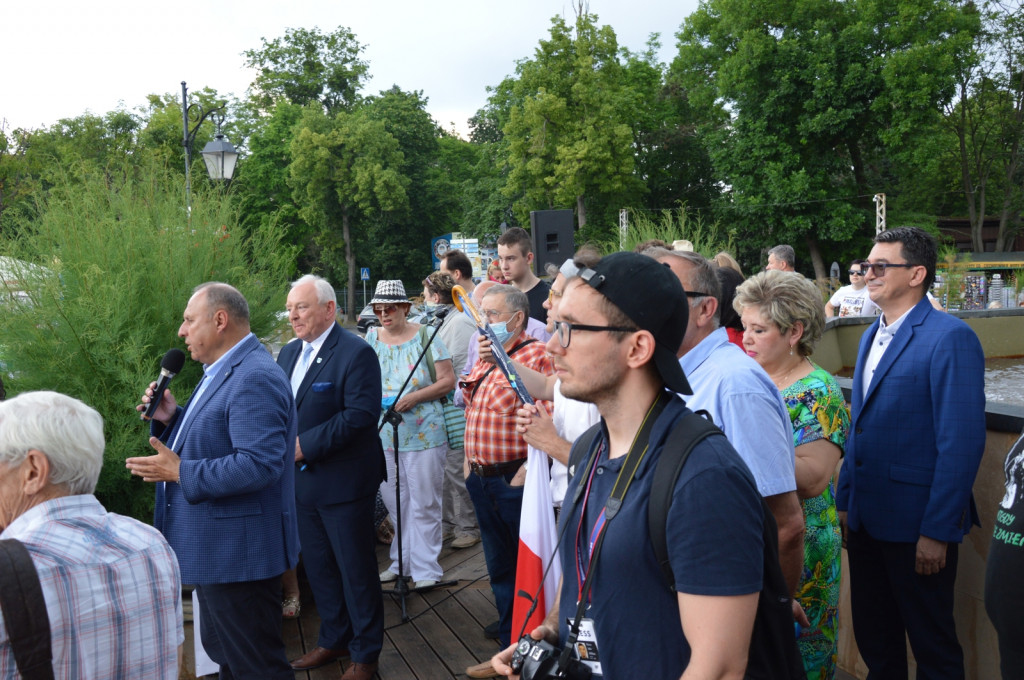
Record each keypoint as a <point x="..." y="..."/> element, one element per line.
<point x="429" y="353"/>
<point x="689" y="431"/>
<point x="773" y="654"/>
<point x="24" y="612"/>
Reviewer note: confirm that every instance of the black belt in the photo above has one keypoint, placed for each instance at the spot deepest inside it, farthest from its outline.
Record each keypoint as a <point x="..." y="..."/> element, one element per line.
<point x="497" y="468"/>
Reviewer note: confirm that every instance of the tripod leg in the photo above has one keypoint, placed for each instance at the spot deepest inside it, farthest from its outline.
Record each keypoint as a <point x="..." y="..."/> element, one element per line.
<point x="401" y="585"/>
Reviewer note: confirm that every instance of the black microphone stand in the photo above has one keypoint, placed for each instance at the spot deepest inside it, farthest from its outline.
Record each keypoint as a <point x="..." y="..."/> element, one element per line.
<point x="394" y="418"/>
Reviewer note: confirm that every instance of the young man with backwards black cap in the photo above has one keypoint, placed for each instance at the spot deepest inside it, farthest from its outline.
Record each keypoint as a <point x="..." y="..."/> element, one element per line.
<point x="621" y="323"/>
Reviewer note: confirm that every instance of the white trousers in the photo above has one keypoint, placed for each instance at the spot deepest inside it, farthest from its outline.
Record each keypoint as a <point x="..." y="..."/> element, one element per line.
<point x="422" y="475"/>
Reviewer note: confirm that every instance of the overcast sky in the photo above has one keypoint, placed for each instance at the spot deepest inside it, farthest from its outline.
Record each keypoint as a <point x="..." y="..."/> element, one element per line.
<point x="61" y="58"/>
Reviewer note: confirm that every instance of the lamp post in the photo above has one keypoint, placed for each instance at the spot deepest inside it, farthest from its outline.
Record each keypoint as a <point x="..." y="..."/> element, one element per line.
<point x="220" y="155"/>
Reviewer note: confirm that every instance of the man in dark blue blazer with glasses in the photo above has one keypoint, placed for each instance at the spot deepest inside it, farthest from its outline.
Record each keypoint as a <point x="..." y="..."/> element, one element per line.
<point x="336" y="381"/>
<point x="916" y="441"/>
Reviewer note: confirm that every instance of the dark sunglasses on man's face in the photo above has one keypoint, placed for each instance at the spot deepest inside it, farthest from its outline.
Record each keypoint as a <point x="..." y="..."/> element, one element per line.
<point x="855" y="272"/>
<point x="878" y="268"/>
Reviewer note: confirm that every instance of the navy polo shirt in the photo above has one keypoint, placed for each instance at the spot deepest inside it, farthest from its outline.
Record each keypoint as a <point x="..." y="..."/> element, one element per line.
<point x="714" y="540"/>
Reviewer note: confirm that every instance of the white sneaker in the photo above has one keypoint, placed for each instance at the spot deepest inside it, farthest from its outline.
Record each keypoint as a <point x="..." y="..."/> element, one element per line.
<point x="387" y="576"/>
<point x="425" y="583"/>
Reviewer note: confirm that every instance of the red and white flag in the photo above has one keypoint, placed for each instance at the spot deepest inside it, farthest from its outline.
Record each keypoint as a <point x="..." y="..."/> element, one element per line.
<point x="537" y="544"/>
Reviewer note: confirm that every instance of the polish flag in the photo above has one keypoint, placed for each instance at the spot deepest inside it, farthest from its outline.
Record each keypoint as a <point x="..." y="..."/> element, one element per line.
<point x="537" y="544"/>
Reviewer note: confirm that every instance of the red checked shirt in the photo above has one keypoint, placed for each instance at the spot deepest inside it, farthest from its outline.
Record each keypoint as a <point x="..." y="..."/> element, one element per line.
<point x="491" y="435"/>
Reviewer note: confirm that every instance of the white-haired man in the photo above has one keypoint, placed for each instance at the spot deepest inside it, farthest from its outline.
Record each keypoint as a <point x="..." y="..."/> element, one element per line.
<point x="337" y="386"/>
<point x="111" y="584"/>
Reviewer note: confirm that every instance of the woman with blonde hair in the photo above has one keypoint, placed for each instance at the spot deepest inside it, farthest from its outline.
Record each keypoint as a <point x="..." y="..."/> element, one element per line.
<point x="783" y="319"/>
<point x="724" y="259"/>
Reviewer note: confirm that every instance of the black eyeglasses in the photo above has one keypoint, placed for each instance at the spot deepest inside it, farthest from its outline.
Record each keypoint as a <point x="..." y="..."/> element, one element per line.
<point x="695" y="294"/>
<point x="564" y="330"/>
<point x="853" y="273"/>
<point x="878" y="268"/>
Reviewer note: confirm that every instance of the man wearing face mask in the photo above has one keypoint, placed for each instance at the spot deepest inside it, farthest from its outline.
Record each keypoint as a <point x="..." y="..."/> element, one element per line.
<point x="494" y="450"/>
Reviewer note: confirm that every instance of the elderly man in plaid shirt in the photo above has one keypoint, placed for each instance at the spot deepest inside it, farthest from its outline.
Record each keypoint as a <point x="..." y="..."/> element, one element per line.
<point x="495" y="453"/>
<point x="111" y="584"/>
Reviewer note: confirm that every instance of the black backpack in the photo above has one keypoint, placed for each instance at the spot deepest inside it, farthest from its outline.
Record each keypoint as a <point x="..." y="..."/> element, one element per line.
<point x="773" y="651"/>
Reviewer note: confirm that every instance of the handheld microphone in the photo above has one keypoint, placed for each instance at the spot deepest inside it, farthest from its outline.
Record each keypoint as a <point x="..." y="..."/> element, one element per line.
<point x="439" y="316"/>
<point x="170" y="366"/>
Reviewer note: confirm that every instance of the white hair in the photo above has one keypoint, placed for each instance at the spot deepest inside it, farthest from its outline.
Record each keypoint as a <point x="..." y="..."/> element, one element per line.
<point x="65" y="430"/>
<point x="324" y="290"/>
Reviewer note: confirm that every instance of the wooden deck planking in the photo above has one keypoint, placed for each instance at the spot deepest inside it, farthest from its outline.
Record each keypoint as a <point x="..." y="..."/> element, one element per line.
<point x="443" y="636"/>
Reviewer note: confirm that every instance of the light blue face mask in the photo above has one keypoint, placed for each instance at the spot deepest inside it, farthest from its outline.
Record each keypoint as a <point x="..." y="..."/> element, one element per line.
<point x="501" y="331"/>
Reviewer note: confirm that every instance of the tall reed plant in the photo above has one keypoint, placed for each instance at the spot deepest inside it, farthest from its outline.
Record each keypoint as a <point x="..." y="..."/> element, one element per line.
<point x="668" y="226"/>
<point x="104" y="273"/>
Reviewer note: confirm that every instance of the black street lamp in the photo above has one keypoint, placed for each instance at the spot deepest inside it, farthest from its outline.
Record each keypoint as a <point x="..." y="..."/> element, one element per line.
<point x="220" y="154"/>
<point x="220" y="157"/>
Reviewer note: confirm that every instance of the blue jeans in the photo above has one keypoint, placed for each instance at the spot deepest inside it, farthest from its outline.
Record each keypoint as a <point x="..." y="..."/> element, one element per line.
<point x="498" y="506"/>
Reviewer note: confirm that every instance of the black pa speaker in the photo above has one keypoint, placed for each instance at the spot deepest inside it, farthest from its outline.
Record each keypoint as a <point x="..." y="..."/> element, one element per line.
<point x="551" y="231"/>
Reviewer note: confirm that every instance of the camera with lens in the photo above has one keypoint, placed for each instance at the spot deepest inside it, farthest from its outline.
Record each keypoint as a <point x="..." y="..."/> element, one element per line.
<point x="538" y="660"/>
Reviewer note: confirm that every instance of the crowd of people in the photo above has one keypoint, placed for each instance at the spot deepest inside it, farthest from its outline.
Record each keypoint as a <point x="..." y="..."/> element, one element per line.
<point x="707" y="543"/>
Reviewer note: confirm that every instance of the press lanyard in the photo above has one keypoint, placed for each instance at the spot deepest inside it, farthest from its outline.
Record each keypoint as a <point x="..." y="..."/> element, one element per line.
<point x="586" y="552"/>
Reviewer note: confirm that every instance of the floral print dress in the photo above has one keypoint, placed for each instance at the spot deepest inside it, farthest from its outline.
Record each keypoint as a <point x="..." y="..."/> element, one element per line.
<point x="817" y="410"/>
<point x="422" y="426"/>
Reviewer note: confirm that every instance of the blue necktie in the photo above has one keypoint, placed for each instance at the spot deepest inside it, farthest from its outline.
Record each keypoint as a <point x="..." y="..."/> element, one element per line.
<point x="301" y="367"/>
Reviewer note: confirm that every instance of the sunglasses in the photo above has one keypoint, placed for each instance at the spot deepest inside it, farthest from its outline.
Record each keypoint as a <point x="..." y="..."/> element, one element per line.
<point x="855" y="273"/>
<point x="878" y="268"/>
<point x="390" y="309"/>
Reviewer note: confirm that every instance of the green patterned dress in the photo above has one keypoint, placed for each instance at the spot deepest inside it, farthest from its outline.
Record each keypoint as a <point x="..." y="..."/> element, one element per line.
<point x="818" y="410"/>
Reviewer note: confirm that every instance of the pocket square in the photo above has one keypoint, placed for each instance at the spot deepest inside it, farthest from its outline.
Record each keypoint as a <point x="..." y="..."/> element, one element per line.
<point x="323" y="387"/>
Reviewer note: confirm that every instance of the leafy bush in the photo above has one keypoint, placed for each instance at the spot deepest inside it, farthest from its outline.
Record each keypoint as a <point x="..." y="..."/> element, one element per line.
<point x="111" y="262"/>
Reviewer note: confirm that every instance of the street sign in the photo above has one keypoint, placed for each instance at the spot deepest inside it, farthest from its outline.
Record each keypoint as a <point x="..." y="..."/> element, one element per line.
<point x="364" y="274"/>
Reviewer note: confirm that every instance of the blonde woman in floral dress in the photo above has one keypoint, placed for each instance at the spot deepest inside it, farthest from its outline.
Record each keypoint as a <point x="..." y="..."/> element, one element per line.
<point x="422" y="439"/>
<point x="783" y="318"/>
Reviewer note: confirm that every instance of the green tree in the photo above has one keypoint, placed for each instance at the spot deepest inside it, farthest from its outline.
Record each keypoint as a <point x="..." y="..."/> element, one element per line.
<point x="33" y="161"/>
<point x="345" y="169"/>
<point x="306" y="66"/>
<point x="260" y="188"/>
<point x="398" y="242"/>
<point x="802" y="100"/>
<point x="568" y="135"/>
<point x="671" y="160"/>
<point x="110" y="267"/>
<point x="986" y="120"/>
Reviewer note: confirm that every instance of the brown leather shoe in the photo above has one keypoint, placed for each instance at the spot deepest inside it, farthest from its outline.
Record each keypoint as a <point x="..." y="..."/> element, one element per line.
<point x="316" y="657"/>
<point x="360" y="671"/>
<point x="482" y="670"/>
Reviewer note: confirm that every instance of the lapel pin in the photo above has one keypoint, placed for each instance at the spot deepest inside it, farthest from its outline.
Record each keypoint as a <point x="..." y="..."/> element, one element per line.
<point x="318" y="360"/>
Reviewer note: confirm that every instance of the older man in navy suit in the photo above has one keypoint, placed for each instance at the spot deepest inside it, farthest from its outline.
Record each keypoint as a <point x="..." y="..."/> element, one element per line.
<point x="335" y="377"/>
<point x="918" y="434"/>
<point x="225" y="500"/>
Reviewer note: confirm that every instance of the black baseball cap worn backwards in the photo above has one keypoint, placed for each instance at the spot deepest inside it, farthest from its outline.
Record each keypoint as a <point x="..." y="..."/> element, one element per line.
<point x="649" y="293"/>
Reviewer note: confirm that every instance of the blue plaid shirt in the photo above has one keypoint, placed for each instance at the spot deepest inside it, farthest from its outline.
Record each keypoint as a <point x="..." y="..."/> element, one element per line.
<point x="112" y="590"/>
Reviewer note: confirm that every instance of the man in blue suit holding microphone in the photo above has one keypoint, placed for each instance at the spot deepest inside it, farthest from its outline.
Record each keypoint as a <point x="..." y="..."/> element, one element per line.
<point x="225" y="498"/>
<point x="335" y="378"/>
<point x="917" y="437"/>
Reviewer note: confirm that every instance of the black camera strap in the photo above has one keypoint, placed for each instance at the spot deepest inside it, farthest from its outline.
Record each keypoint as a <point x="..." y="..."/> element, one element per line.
<point x="637" y="452"/>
